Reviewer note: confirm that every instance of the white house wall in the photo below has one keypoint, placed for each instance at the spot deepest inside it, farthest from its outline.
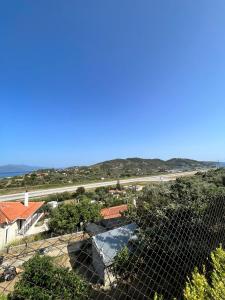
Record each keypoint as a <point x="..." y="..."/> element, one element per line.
<point x="11" y="235"/>
<point x="2" y="237"/>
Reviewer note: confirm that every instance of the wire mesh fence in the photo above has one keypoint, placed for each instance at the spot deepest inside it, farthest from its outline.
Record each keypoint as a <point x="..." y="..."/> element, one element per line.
<point x="145" y="253"/>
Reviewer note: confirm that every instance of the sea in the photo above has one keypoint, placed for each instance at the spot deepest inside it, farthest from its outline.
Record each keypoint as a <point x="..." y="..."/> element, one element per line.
<point x="11" y="174"/>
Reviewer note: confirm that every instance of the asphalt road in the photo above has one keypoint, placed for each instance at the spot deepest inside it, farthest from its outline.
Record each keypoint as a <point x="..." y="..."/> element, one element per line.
<point x="41" y="193"/>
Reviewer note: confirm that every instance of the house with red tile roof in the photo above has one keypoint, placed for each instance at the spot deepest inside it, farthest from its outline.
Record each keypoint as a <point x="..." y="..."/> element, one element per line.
<point x="113" y="212"/>
<point x="17" y="218"/>
<point x="112" y="217"/>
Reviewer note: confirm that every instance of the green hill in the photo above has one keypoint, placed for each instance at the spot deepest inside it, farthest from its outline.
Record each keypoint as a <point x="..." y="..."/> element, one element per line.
<point x="139" y="166"/>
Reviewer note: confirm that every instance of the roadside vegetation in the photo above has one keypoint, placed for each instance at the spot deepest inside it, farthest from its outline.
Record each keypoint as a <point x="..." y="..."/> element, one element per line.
<point x="113" y="169"/>
<point x="29" y="239"/>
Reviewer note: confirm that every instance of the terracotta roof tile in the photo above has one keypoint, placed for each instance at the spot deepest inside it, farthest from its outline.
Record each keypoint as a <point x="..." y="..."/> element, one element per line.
<point x="12" y="211"/>
<point x="113" y="212"/>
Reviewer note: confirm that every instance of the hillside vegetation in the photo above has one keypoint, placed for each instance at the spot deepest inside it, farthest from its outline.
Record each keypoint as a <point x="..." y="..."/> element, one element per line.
<point x="140" y="166"/>
<point x="112" y="169"/>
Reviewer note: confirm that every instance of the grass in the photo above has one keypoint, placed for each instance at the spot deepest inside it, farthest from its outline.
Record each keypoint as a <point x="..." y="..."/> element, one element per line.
<point x="28" y="239"/>
<point x="3" y="297"/>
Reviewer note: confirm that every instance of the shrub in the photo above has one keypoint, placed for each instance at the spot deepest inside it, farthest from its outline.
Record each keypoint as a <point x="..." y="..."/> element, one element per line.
<point x="42" y="279"/>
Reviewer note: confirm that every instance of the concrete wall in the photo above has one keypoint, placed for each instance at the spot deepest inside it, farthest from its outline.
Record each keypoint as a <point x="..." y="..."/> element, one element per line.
<point x="12" y="232"/>
<point x="102" y="271"/>
<point x="97" y="263"/>
<point x="66" y="243"/>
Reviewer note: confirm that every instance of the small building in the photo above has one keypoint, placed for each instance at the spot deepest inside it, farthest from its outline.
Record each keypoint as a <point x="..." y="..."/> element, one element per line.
<point x="113" y="216"/>
<point x="117" y="192"/>
<point x="53" y="204"/>
<point x="17" y="218"/>
<point x="114" y="211"/>
<point x="138" y="188"/>
<point x="134" y="188"/>
<point x="105" y="247"/>
<point x="93" y="229"/>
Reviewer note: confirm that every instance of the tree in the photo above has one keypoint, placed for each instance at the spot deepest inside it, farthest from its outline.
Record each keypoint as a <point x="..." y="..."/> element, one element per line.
<point x="179" y="222"/>
<point x="43" y="280"/>
<point x="87" y="211"/>
<point x="80" y="191"/>
<point x="118" y="186"/>
<point x="67" y="217"/>
<point x="64" y="219"/>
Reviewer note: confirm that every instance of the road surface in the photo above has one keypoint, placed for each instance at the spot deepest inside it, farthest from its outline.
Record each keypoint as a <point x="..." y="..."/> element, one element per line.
<point x="41" y="193"/>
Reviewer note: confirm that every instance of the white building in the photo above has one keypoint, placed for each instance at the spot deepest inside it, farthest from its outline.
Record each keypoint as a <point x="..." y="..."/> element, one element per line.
<point x="53" y="204"/>
<point x="17" y="218"/>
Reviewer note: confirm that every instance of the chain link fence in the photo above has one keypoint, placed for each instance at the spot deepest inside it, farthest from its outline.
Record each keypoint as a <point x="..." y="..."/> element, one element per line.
<point x="145" y="253"/>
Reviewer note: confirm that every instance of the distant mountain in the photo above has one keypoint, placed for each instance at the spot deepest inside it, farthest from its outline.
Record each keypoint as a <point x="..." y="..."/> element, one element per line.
<point x="17" y="168"/>
<point x="141" y="166"/>
<point x="13" y="170"/>
<point x="111" y="169"/>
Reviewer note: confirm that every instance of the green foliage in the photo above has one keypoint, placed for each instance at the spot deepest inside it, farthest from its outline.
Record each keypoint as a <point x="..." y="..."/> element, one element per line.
<point x="118" y="186"/>
<point x="201" y="288"/>
<point x="42" y="280"/>
<point x="158" y="297"/>
<point x="177" y="220"/>
<point x="64" y="219"/>
<point x="121" y="262"/>
<point x="3" y="297"/>
<point x="80" y="191"/>
<point x="88" y="212"/>
<point x="67" y="217"/>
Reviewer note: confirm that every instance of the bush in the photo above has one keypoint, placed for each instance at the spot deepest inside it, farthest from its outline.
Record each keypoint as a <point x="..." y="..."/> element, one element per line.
<point x="64" y="219"/>
<point x="80" y="190"/>
<point x="202" y="288"/>
<point x="42" y="279"/>
<point x="67" y="217"/>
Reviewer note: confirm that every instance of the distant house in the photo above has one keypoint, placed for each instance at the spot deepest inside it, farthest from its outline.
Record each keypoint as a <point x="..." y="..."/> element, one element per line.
<point x="117" y="192"/>
<point x="135" y="188"/>
<point x="17" y="218"/>
<point x="105" y="247"/>
<point x="53" y="204"/>
<point x="112" y="216"/>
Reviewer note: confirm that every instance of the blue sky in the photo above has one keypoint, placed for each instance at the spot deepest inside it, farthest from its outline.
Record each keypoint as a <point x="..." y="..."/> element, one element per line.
<point x="85" y="81"/>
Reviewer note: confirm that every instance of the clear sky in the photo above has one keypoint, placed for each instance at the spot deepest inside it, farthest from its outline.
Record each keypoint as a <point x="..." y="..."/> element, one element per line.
<point x="85" y="81"/>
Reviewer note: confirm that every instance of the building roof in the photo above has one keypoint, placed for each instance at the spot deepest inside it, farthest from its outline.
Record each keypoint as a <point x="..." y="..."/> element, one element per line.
<point x="94" y="229"/>
<point x="109" y="243"/>
<point x="12" y="211"/>
<point x="113" y="212"/>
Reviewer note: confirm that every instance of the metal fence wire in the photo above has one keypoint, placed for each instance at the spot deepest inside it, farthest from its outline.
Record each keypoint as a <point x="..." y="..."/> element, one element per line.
<point x="144" y="253"/>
